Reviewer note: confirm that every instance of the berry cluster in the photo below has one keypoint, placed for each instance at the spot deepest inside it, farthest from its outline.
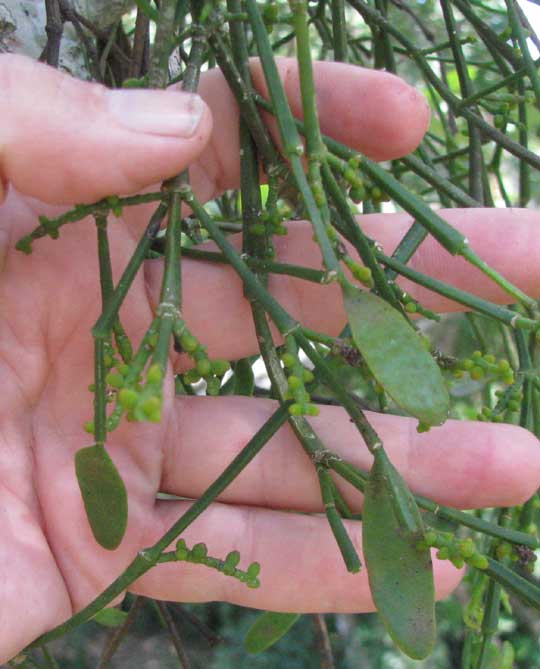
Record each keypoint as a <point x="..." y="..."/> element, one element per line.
<point x="458" y="551"/>
<point x="211" y="371"/>
<point x="485" y="366"/>
<point x="297" y="377"/>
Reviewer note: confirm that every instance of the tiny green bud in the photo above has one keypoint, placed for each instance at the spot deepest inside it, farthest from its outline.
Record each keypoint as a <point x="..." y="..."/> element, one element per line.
<point x="443" y="553"/>
<point x="467" y="364"/>
<point x="203" y="367"/>
<point x="151" y="407"/>
<point x="114" y="380"/>
<point x="509" y="379"/>
<point x="296" y="409"/>
<point x="294" y="382"/>
<point x="411" y="307"/>
<point x="457" y="561"/>
<point x="478" y="561"/>
<point x="155" y="374"/>
<point x="307" y="376"/>
<point x="199" y="552"/>
<point x="503" y="550"/>
<point x="220" y="367"/>
<point x="311" y="410"/>
<point x="504" y="365"/>
<point x="191" y="376"/>
<point x="357" y="194"/>
<point x="466" y="548"/>
<point x="189" y="343"/>
<point x="128" y="398"/>
<point x="477" y="373"/>
<point x="489" y="358"/>
<point x="253" y="570"/>
<point x="123" y="369"/>
<point x="431" y="538"/>
<point x="513" y="405"/>
<point x="288" y="360"/>
<point x="182" y="551"/>
<point x="89" y="427"/>
<point x="253" y="583"/>
<point x="213" y="384"/>
<point x="232" y="559"/>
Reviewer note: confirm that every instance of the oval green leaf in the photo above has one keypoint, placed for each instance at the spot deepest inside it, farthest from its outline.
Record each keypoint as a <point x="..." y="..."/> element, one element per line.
<point x="400" y="574"/>
<point x="104" y="495"/>
<point x="396" y="356"/>
<point x="268" y="629"/>
<point x="110" y="617"/>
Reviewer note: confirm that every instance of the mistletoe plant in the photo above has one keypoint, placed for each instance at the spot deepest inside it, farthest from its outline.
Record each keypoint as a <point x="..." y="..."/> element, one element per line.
<point x="481" y="131"/>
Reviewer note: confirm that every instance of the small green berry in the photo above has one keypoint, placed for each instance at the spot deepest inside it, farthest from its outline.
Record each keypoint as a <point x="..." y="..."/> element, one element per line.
<point x="357" y="194"/>
<point x="307" y="375"/>
<point x="151" y="407"/>
<point x="203" y="367"/>
<point x="467" y="364"/>
<point x="443" y="553"/>
<point x="431" y="538"/>
<point x="220" y="367"/>
<point x="89" y="427"/>
<point x="457" y="561"/>
<point x="296" y="409"/>
<point x="155" y="374"/>
<point x="477" y="373"/>
<point x="114" y="380"/>
<point x="189" y="343"/>
<point x="411" y="308"/>
<point x="128" y="398"/>
<point x="503" y="551"/>
<point x="288" y="360"/>
<point x="478" y="561"/>
<point x="191" y="376"/>
<point x="489" y="358"/>
<point x="294" y="382"/>
<point x="466" y="548"/>
<point x="213" y="384"/>
<point x="503" y="366"/>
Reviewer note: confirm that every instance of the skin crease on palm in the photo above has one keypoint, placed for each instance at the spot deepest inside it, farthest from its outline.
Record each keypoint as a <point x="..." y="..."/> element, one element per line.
<point x="65" y="141"/>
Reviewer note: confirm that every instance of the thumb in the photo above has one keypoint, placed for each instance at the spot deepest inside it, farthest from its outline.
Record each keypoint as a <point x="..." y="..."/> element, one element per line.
<point x="66" y="141"/>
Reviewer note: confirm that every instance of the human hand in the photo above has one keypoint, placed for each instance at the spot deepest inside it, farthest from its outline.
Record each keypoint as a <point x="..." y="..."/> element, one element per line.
<point x="62" y="144"/>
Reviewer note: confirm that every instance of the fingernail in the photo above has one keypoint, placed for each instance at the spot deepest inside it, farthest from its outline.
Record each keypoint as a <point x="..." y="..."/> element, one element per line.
<point x="164" y="113"/>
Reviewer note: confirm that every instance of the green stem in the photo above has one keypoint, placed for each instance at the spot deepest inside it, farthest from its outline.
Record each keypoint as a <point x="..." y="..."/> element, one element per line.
<point x="343" y="540"/>
<point x="469" y="300"/>
<point x="104" y="323"/>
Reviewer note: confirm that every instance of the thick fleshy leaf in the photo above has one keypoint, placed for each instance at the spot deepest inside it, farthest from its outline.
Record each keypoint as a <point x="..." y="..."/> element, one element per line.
<point x="268" y="629"/>
<point x="396" y="356"/>
<point x="104" y="495"/>
<point x="110" y="617"/>
<point x="400" y="573"/>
